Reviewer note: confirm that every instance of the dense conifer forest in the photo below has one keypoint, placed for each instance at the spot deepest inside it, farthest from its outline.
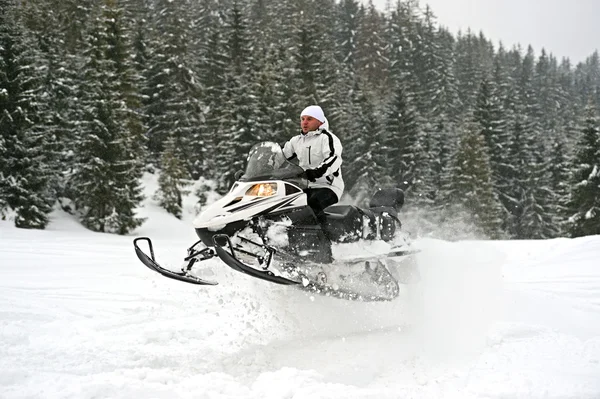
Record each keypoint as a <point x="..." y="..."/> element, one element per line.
<point x="93" y="93"/>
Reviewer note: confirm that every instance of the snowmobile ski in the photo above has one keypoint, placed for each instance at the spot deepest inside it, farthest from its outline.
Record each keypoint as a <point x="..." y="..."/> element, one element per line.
<point x="226" y="252"/>
<point x="184" y="275"/>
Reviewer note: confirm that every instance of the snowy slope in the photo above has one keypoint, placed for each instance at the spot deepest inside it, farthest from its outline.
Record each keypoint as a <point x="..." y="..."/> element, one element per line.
<point x="81" y="317"/>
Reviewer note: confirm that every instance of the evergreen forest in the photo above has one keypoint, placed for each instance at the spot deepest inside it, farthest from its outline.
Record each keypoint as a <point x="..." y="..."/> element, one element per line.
<point x="95" y="93"/>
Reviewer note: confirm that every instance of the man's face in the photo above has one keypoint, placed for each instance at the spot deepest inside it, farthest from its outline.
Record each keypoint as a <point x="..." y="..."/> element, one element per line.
<point x="308" y="123"/>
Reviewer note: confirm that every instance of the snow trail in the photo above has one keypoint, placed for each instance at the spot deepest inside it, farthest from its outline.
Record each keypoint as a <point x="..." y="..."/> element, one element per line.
<point x="81" y="317"/>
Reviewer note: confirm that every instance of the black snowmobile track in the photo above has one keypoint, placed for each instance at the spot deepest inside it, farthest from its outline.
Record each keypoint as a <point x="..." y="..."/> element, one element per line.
<point x="340" y="293"/>
<point x="151" y="263"/>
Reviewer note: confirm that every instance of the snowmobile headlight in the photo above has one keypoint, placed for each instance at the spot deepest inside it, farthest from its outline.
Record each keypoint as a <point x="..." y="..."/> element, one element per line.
<point x="262" y="190"/>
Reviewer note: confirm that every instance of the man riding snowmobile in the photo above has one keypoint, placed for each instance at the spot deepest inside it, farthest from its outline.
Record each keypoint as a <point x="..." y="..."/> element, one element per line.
<point x="319" y="153"/>
<point x="278" y="223"/>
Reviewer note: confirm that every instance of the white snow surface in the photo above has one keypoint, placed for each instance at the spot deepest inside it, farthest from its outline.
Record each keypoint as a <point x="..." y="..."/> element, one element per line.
<point x="81" y="317"/>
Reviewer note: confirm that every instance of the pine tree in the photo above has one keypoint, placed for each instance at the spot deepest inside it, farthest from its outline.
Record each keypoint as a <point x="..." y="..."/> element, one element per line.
<point x="489" y="116"/>
<point x="211" y="64"/>
<point x="315" y="71"/>
<point x="584" y="205"/>
<point x="473" y="62"/>
<point x="587" y="78"/>
<point x="59" y="86"/>
<point x="174" y="105"/>
<point x="172" y="179"/>
<point x="403" y="38"/>
<point x="361" y="169"/>
<point x="446" y="109"/>
<point x="346" y="31"/>
<point x="401" y="144"/>
<point x="560" y="176"/>
<point x="472" y="185"/>
<point x="106" y="182"/>
<point x="75" y="18"/>
<point x="535" y="195"/>
<point x="536" y="221"/>
<point x="371" y="62"/>
<point x="239" y="108"/>
<point x="25" y="174"/>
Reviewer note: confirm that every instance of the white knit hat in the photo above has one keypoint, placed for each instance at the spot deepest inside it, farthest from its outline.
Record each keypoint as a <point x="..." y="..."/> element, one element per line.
<point x="315" y="111"/>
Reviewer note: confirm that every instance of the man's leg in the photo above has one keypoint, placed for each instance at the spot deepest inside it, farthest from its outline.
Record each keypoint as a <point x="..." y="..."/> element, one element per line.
<point x="319" y="199"/>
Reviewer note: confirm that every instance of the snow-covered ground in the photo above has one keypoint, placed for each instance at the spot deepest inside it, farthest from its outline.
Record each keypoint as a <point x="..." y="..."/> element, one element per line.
<point x="81" y="317"/>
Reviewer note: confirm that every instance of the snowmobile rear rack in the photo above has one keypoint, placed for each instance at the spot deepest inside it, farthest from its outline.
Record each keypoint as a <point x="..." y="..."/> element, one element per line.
<point x="184" y="275"/>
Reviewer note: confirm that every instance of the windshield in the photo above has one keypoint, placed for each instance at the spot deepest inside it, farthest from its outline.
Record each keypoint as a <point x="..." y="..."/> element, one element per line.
<point x="267" y="162"/>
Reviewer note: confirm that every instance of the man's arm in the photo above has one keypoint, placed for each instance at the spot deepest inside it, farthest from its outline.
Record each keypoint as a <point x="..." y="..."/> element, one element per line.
<point x="332" y="150"/>
<point x="288" y="150"/>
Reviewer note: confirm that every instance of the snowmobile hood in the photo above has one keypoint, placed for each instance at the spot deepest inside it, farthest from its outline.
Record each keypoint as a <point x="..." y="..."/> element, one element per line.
<point x="246" y="200"/>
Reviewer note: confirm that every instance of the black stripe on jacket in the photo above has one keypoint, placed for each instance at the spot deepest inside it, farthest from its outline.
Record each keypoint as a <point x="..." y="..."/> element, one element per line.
<point x="327" y="162"/>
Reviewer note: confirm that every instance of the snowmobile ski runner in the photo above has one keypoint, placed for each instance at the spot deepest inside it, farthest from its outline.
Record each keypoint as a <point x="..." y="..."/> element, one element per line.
<point x="264" y="228"/>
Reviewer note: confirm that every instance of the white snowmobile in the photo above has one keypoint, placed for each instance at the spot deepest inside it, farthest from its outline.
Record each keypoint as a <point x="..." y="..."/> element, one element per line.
<point x="264" y="228"/>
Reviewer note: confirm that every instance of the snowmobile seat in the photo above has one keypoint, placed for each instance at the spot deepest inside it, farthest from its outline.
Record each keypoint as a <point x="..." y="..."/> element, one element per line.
<point x="336" y="212"/>
<point x="343" y="223"/>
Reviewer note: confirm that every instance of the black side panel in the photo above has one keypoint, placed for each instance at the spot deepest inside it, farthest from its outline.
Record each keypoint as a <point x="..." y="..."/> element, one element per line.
<point x="207" y="236"/>
<point x="306" y="237"/>
<point x="344" y="226"/>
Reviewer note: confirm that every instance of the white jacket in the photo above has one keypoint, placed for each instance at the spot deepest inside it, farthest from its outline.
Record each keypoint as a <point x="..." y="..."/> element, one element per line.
<point x="320" y="150"/>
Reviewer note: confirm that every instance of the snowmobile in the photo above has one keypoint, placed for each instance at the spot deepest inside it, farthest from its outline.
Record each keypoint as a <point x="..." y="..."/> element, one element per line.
<point x="264" y="228"/>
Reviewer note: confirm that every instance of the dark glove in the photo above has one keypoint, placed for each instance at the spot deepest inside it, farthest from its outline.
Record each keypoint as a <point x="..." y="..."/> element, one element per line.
<point x="310" y="174"/>
<point x="238" y="174"/>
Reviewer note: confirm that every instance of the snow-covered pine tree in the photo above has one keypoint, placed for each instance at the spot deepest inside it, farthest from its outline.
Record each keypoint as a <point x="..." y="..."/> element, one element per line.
<point x="537" y="221"/>
<point x="474" y="60"/>
<point x="346" y="28"/>
<point x="106" y="181"/>
<point x="436" y="102"/>
<point x="139" y="13"/>
<point x="445" y="113"/>
<point x="362" y="135"/>
<point x="174" y="90"/>
<point x="239" y="109"/>
<point x="547" y="92"/>
<point x="587" y="78"/>
<point x="210" y="61"/>
<point x="569" y="109"/>
<point x="25" y="162"/>
<point x="560" y="176"/>
<point x="371" y="62"/>
<point x="121" y="17"/>
<point x="314" y="66"/>
<point x="59" y="86"/>
<point x="172" y="179"/>
<point x="472" y="188"/>
<point x="277" y="114"/>
<point x="428" y="69"/>
<point x="403" y="38"/>
<point x="536" y="200"/>
<point x="584" y="205"/>
<point x="490" y="118"/>
<point x="269" y="53"/>
<point x="329" y="71"/>
<point x="401" y="143"/>
<point x="74" y="16"/>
